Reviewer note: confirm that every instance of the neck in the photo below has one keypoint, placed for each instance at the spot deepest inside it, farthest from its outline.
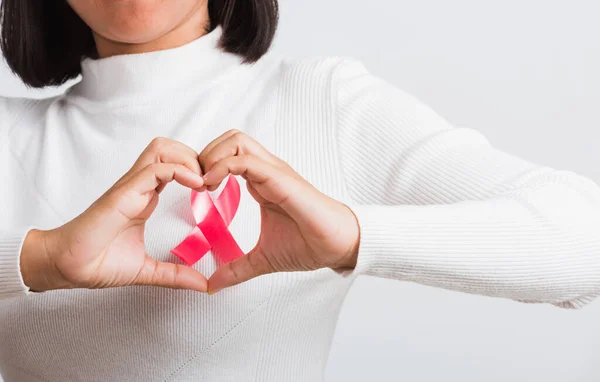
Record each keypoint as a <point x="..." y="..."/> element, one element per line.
<point x="190" y="29"/>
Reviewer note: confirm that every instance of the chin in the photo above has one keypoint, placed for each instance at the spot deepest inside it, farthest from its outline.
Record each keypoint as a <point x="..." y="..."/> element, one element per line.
<point x="134" y="31"/>
<point x="130" y="23"/>
<point x="133" y="21"/>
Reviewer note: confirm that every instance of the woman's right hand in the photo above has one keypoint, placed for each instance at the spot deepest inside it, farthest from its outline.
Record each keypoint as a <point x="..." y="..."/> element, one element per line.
<point x="104" y="246"/>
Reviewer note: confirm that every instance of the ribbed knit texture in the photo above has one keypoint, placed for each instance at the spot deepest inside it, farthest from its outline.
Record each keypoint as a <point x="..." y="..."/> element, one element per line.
<point x="11" y="282"/>
<point x="437" y="205"/>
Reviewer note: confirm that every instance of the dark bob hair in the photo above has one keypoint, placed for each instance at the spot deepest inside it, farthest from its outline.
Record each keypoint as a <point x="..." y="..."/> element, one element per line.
<point x="44" y="41"/>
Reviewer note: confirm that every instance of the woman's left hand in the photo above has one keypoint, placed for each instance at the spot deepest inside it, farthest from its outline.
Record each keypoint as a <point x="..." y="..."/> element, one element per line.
<point x="302" y="229"/>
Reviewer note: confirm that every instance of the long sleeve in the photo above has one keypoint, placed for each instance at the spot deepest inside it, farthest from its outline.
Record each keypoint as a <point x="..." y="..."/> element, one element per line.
<point x="11" y="282"/>
<point x="11" y="242"/>
<point x="440" y="206"/>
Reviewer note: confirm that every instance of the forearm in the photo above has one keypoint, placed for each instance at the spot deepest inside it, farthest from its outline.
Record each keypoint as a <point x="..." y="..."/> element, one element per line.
<point x="540" y="244"/>
<point x="441" y="206"/>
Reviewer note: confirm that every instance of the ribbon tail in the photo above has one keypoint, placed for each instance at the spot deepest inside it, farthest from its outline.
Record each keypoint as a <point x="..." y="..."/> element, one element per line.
<point x="193" y="248"/>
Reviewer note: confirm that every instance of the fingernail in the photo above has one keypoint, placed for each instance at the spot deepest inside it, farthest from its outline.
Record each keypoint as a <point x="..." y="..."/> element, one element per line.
<point x="213" y="291"/>
<point x="198" y="178"/>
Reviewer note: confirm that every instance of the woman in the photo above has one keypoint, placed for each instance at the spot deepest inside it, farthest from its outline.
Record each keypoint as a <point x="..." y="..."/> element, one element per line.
<point x="342" y="175"/>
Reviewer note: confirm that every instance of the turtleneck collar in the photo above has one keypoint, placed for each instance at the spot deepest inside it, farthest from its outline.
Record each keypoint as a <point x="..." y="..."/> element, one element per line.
<point x="135" y="75"/>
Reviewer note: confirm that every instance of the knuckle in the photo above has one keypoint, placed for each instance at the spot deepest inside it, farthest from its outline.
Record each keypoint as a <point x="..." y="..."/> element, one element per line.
<point x="157" y="144"/>
<point x="153" y="167"/>
<point x="204" y="161"/>
<point x="282" y="163"/>
<point x="191" y="165"/>
<point x="155" y="274"/>
<point x="245" y="159"/>
<point x="238" y="136"/>
<point x="222" y="162"/>
<point x="174" y="274"/>
<point x="180" y="168"/>
<point x="207" y="163"/>
<point x="235" y="273"/>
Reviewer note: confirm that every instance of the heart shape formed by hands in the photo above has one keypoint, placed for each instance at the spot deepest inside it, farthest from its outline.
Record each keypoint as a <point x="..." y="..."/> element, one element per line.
<point x="212" y="222"/>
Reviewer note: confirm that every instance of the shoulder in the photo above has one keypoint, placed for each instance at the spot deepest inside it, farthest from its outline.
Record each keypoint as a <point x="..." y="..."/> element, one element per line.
<point x="11" y="112"/>
<point x="20" y="111"/>
<point x="12" y="109"/>
<point x="318" y="70"/>
<point x="342" y="80"/>
<point x="349" y="86"/>
<point x="320" y="78"/>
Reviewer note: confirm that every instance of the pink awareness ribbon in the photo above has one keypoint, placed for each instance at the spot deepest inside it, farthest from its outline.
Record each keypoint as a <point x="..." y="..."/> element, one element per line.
<point x="212" y="222"/>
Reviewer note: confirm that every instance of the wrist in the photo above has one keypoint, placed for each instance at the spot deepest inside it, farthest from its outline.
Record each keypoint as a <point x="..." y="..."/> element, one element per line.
<point x="350" y="259"/>
<point x="37" y="269"/>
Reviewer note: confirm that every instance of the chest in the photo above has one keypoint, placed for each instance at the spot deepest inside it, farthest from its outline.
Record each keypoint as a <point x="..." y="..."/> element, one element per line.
<point x="64" y="159"/>
<point x="62" y="168"/>
<point x="60" y="162"/>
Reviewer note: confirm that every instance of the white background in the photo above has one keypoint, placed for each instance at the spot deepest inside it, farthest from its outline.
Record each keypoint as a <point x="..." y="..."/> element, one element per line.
<point x="527" y="74"/>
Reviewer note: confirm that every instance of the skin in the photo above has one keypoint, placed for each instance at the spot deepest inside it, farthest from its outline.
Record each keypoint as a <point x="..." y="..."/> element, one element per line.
<point x="103" y="247"/>
<point x="138" y="26"/>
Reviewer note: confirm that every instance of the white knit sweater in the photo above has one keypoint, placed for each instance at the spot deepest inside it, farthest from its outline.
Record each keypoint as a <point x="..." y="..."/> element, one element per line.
<point x="437" y="205"/>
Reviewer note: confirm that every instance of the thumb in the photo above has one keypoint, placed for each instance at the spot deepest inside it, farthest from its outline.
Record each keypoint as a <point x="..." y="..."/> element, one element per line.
<point x="251" y="265"/>
<point x="176" y="276"/>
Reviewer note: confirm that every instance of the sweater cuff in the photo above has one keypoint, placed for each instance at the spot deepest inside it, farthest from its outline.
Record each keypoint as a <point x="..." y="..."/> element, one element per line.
<point x="11" y="280"/>
<point x="374" y="233"/>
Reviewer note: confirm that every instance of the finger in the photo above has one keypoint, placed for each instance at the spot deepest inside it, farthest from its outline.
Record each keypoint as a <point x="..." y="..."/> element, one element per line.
<point x="294" y="195"/>
<point x="164" y="150"/>
<point x="132" y="197"/>
<point x="235" y="144"/>
<point x="250" y="167"/>
<point x="215" y="142"/>
<point x="252" y="265"/>
<point x="269" y="181"/>
<point x="158" y="174"/>
<point x="177" y="276"/>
